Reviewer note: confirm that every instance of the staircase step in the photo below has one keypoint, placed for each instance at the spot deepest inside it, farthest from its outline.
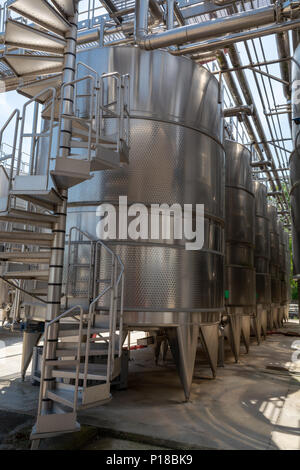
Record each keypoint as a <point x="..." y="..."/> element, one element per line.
<point x="70" y="172"/>
<point x="40" y="292"/>
<point x="107" y="160"/>
<point x="29" y="218"/>
<point x="79" y="144"/>
<point x="54" y="423"/>
<point x="73" y="352"/>
<point x="95" y="396"/>
<point x="41" y="275"/>
<point x="71" y="333"/>
<point x="71" y="374"/>
<point x="64" y="397"/>
<point x="27" y="238"/>
<point x="31" y="257"/>
<point x="37" y="86"/>
<point x="26" y="37"/>
<point x="66" y="7"/>
<point x="41" y="13"/>
<point x="43" y="198"/>
<point x="30" y="65"/>
<point x="62" y="363"/>
<point x="46" y="113"/>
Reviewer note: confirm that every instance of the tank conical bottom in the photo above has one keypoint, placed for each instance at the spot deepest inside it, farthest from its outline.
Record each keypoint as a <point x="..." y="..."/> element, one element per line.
<point x="256" y="326"/>
<point x="233" y="334"/>
<point x="246" y="323"/>
<point x="183" y="342"/>
<point x="264" y="322"/>
<point x="209" y="337"/>
<point x="30" y="340"/>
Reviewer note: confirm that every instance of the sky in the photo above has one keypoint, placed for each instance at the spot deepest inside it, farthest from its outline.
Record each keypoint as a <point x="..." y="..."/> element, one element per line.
<point x="10" y="100"/>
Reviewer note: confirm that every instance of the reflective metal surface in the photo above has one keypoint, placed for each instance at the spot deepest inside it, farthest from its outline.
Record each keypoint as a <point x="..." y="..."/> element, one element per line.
<point x="295" y="164"/>
<point x="262" y="245"/>
<point x="240" y="227"/>
<point x="175" y="157"/>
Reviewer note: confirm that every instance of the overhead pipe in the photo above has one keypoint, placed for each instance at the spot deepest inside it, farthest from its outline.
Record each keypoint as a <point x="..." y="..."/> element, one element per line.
<point x="170" y="14"/>
<point x="283" y="49"/>
<point x="237" y="110"/>
<point x="215" y="44"/>
<point x="200" y="31"/>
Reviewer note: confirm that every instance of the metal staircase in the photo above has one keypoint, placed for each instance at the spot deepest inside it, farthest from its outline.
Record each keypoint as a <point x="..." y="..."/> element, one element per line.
<point x="88" y="114"/>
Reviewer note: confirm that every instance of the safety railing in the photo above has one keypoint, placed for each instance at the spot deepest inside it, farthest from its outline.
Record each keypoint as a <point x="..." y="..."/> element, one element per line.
<point x="70" y="313"/>
<point x="115" y="288"/>
<point x="73" y="115"/>
<point x="118" y="108"/>
<point x="36" y="135"/>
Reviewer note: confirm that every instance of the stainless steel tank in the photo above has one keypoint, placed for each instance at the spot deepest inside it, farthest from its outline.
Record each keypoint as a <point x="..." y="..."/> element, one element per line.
<point x="262" y="258"/>
<point x="176" y="156"/>
<point x="295" y="164"/>
<point x="240" y="239"/>
<point x="274" y="268"/>
<point x="287" y="275"/>
<point x="282" y="274"/>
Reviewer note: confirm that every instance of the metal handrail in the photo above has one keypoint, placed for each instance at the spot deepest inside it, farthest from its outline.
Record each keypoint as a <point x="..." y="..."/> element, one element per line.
<point x="49" y="132"/>
<point x="65" y="314"/>
<point x="16" y="113"/>
<point x="113" y="287"/>
<point x="72" y="116"/>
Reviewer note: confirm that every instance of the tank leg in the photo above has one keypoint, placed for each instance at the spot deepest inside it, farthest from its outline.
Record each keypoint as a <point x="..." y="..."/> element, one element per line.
<point x="233" y="333"/>
<point x="264" y="321"/>
<point x="183" y="343"/>
<point x="31" y="337"/>
<point x="256" y="325"/>
<point x="246" y="320"/>
<point x="209" y="337"/>
<point x="270" y="319"/>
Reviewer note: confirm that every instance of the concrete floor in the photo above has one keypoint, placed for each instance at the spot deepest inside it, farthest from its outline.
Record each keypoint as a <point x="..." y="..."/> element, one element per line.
<point x="251" y="405"/>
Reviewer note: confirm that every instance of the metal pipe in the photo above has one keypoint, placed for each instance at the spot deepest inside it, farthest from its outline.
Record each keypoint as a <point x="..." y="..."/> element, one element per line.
<point x="198" y="31"/>
<point x="283" y="49"/>
<point x="156" y="11"/>
<point x="170" y="14"/>
<point x="243" y="109"/>
<point x="88" y="36"/>
<point x="221" y="43"/>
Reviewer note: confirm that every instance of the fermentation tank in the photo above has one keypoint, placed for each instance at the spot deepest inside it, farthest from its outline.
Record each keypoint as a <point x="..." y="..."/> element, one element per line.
<point x="262" y="257"/>
<point x="273" y="320"/>
<point x="295" y="164"/>
<point x="240" y="239"/>
<point x="287" y="274"/>
<point x="282" y="274"/>
<point x="176" y="156"/>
